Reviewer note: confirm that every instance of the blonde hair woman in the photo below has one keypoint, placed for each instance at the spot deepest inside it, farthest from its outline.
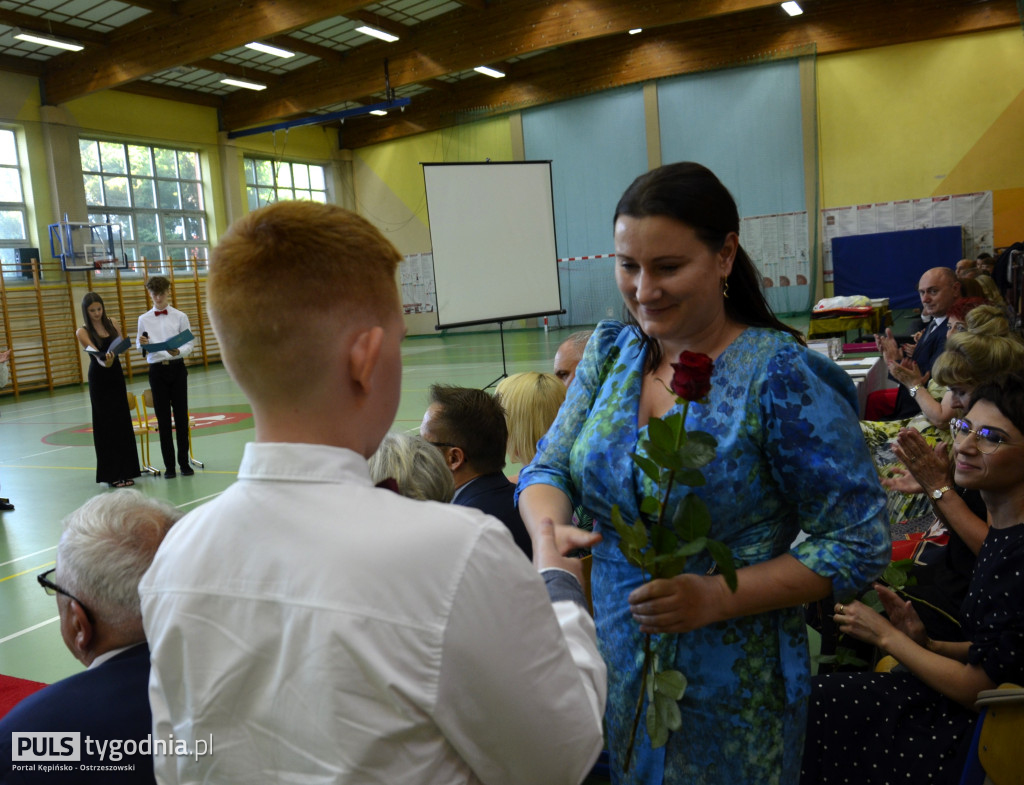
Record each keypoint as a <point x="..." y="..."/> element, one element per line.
<point x="530" y="400"/>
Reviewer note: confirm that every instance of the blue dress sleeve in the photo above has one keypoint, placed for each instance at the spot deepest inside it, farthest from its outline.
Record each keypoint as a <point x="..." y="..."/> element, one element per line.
<point x="819" y="459"/>
<point x="550" y="466"/>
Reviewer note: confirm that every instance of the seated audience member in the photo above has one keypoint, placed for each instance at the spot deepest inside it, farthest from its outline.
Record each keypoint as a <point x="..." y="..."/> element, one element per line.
<point x="415" y="465"/>
<point x="107" y="544"/>
<point x="966" y="269"/>
<point x="569" y="354"/>
<point x="324" y="630"/>
<point x="530" y="400"/>
<point x="468" y="427"/>
<point x="985" y="263"/>
<point x="937" y="402"/>
<point x="916" y="726"/>
<point x="938" y="289"/>
<point x="992" y="293"/>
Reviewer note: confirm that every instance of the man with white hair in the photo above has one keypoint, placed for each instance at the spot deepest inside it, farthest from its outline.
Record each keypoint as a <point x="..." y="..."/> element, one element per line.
<point x="107" y="545"/>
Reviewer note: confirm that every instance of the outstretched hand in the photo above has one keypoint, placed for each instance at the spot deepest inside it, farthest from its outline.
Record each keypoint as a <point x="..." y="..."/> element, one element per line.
<point x="550" y="542"/>
<point x="5" y="356"/>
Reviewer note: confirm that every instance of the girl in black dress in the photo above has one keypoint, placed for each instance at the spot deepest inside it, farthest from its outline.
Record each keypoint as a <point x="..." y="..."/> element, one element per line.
<point x="916" y="725"/>
<point x="117" y="460"/>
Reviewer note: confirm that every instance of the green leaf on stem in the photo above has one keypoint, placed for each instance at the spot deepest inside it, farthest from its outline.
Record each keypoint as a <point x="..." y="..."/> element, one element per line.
<point x="692" y="477"/>
<point x="723" y="558"/>
<point x="650" y="506"/>
<point x="699" y="449"/>
<point x="656" y="729"/>
<point x="692" y="519"/>
<point x="675" y="424"/>
<point x="663" y="539"/>
<point x="896" y="574"/>
<point x="671" y="684"/>
<point x="668" y="711"/>
<point x="692" y="547"/>
<point x="660" y="434"/>
<point x="667" y="458"/>
<point x="647" y="466"/>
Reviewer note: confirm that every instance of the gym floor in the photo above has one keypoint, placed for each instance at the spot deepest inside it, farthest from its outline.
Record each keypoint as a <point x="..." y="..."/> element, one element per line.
<point x="47" y="468"/>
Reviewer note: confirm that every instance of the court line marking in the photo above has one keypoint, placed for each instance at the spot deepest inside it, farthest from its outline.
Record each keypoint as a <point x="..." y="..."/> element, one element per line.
<point x="29" y="570"/>
<point x="27" y="630"/>
<point x="28" y="555"/>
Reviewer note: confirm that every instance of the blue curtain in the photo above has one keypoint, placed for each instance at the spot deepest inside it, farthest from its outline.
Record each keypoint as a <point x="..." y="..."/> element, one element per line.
<point x="745" y="125"/>
<point x="597" y="147"/>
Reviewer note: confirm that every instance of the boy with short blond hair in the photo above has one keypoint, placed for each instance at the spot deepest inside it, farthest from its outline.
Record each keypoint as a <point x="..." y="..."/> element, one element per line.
<point x="319" y="628"/>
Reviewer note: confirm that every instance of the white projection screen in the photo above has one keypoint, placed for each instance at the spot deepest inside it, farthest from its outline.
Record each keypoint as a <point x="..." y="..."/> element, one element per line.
<point x="492" y="232"/>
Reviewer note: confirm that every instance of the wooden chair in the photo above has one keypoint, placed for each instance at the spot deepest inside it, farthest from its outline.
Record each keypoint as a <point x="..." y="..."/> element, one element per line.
<point x="141" y="427"/>
<point x="993" y="757"/>
<point x="147" y="404"/>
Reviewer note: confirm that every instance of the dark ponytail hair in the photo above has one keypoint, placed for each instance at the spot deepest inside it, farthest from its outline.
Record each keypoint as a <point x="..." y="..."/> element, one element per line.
<point x="691" y="194"/>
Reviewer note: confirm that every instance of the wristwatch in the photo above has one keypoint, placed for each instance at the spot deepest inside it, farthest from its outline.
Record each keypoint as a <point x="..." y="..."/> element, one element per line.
<point x="913" y="390"/>
<point x="937" y="493"/>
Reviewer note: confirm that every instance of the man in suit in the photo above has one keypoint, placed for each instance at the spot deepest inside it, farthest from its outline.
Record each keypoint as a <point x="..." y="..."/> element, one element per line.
<point x="938" y="289"/>
<point x="468" y="426"/>
<point x="107" y="545"/>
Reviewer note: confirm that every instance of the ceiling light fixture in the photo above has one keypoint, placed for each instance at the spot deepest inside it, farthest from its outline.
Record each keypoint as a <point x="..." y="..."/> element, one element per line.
<point x="45" y="39"/>
<point x="373" y="31"/>
<point x="270" y="50"/>
<point x="792" y="8"/>
<point x="491" y="72"/>
<point x="378" y="112"/>
<point x="636" y="30"/>
<point x="244" y="83"/>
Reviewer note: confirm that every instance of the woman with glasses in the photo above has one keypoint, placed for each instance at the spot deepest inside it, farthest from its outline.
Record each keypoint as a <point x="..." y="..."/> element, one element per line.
<point x="916" y="725"/>
<point x="978" y="347"/>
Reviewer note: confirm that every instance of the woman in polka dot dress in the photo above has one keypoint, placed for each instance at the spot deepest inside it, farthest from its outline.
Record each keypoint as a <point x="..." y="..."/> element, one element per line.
<point x="915" y="725"/>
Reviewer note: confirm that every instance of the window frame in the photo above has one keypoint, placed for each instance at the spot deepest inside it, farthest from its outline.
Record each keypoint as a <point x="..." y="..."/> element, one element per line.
<point x="153" y="215"/>
<point x="7" y="243"/>
<point x="255" y="188"/>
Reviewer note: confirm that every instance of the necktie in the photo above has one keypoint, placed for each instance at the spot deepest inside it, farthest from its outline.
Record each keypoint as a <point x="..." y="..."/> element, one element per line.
<point x="160" y="313"/>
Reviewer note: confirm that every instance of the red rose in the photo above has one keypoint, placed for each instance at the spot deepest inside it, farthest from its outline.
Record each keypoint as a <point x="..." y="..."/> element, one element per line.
<point x="691" y="377"/>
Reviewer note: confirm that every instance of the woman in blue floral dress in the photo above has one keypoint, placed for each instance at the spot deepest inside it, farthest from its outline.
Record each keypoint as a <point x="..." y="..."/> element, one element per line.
<point x="790" y="459"/>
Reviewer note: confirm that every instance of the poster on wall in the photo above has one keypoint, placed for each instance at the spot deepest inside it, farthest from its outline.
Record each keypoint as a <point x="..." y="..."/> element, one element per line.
<point x="972" y="211"/>
<point x="778" y="247"/>
<point x="417" y="275"/>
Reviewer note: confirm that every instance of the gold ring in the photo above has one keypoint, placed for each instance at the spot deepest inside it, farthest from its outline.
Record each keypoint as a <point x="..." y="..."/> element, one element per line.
<point x="842" y="609"/>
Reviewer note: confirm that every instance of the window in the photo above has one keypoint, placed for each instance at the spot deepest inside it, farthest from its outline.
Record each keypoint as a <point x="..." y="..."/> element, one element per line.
<point x="269" y="181"/>
<point x="155" y="193"/>
<point x="13" y="213"/>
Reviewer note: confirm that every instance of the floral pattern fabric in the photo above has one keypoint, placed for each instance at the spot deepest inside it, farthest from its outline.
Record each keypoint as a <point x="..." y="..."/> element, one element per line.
<point x="790" y="458"/>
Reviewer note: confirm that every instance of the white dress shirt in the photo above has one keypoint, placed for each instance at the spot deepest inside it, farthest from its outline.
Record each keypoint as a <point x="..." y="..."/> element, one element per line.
<point x="322" y="630"/>
<point x="162" y="328"/>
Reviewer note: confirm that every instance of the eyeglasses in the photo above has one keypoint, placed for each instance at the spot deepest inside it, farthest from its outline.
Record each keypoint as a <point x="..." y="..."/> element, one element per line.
<point x="442" y="444"/>
<point x="53" y="589"/>
<point x="988" y="440"/>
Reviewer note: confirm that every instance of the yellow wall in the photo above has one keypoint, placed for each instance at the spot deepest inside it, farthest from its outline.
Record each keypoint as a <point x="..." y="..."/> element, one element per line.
<point x="923" y="119"/>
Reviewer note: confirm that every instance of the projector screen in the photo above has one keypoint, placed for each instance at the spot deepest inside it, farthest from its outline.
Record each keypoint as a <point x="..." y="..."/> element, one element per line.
<point x="492" y="232"/>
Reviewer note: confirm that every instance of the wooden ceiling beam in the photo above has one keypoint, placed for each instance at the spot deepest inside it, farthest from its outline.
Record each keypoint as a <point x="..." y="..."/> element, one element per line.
<point x="38" y="24"/>
<point x="22" y="65"/>
<point x="169" y="93"/>
<point x="165" y="7"/>
<point x="611" y="62"/>
<point x="302" y="46"/>
<point x="467" y="38"/>
<point x="200" y="29"/>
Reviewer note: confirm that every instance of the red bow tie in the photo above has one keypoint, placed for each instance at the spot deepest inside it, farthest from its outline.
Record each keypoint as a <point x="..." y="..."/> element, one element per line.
<point x="160" y="313"/>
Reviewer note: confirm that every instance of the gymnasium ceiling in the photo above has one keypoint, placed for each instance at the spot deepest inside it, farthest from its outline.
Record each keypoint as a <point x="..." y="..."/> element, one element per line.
<point x="181" y="49"/>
